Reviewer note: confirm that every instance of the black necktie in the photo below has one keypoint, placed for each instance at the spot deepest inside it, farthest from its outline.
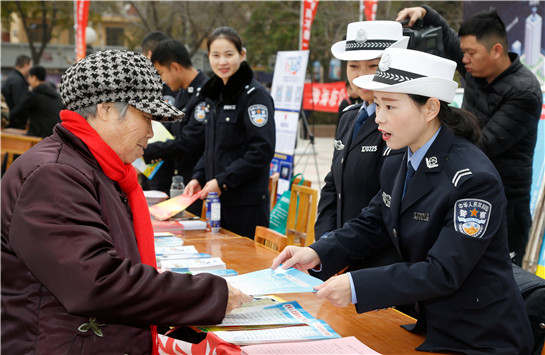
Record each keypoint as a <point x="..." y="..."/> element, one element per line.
<point x="408" y="177"/>
<point x="362" y="116"/>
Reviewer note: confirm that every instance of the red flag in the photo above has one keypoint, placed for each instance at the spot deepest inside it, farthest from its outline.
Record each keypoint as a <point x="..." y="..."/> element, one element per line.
<point x="82" y="13"/>
<point x="307" y="17"/>
<point x="370" y="9"/>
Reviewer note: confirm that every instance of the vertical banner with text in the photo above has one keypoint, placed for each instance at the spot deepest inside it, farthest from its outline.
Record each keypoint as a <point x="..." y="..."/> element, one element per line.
<point x="308" y="12"/>
<point x="82" y="13"/>
<point x="287" y="92"/>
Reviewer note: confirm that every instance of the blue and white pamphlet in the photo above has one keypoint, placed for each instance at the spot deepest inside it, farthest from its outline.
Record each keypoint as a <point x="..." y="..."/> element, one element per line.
<point x="285" y="313"/>
<point x="268" y="281"/>
<point x="317" y="330"/>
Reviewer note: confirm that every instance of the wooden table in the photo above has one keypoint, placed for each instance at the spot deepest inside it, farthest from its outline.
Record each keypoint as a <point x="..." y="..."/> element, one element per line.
<point x="15" y="142"/>
<point x="379" y="330"/>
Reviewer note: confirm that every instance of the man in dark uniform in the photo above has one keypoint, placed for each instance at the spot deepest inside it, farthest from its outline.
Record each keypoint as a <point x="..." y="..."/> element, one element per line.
<point x="506" y="98"/>
<point x="172" y="61"/>
<point x="162" y="179"/>
<point x="15" y="88"/>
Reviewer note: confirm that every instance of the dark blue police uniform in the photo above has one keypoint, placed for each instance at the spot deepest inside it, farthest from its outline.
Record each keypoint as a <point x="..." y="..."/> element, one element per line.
<point x="354" y="179"/>
<point x="240" y="142"/>
<point x="450" y="230"/>
<point x="183" y="152"/>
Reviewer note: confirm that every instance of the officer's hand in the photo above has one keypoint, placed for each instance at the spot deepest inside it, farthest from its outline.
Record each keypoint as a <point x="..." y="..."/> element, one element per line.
<point x="192" y="187"/>
<point x="413" y="13"/>
<point x="336" y="290"/>
<point x="236" y="298"/>
<point x="211" y="186"/>
<point x="300" y="258"/>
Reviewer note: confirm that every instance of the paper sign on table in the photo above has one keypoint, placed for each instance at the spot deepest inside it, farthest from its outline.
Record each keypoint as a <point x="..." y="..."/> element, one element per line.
<point x="166" y="209"/>
<point x="342" y="346"/>
<point x="267" y="281"/>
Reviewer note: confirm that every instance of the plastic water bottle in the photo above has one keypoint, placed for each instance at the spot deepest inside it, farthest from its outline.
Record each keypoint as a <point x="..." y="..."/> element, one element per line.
<point x="213" y="212"/>
<point x="177" y="187"/>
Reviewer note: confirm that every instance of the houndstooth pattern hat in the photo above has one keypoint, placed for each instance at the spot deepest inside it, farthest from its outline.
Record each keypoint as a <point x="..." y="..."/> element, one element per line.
<point x="116" y="76"/>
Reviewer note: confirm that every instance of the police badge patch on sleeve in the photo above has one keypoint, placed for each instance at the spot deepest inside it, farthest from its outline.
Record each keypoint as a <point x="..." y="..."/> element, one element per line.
<point x="258" y="115"/>
<point x="471" y="217"/>
<point x="200" y="111"/>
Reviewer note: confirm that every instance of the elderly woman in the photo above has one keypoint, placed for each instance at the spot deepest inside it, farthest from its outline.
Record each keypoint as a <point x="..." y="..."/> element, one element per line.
<point x="78" y="256"/>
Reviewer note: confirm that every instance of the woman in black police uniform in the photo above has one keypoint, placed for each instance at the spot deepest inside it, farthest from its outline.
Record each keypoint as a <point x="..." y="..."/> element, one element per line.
<point x="447" y="222"/>
<point x="240" y="137"/>
<point x="359" y="149"/>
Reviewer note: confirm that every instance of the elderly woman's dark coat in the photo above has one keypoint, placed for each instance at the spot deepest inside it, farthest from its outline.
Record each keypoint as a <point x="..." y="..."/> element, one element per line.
<point x="69" y="258"/>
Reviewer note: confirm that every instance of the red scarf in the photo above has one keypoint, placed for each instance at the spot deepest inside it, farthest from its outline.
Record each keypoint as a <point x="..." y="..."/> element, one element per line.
<point x="125" y="176"/>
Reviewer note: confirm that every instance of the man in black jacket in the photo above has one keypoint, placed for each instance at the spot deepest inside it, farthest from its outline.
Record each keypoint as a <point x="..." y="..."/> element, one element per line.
<point x="172" y="61"/>
<point x="506" y="98"/>
<point x="15" y="88"/>
<point x="41" y="107"/>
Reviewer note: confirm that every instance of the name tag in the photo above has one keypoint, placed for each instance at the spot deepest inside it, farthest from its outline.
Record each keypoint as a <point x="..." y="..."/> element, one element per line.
<point x="368" y="148"/>
<point x="229" y="107"/>
<point x="421" y="216"/>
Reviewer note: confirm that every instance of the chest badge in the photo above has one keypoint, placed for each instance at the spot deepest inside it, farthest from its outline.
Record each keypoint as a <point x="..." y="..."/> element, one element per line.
<point x="200" y="111"/>
<point x="471" y="217"/>
<point x="259" y="115"/>
<point x="338" y="144"/>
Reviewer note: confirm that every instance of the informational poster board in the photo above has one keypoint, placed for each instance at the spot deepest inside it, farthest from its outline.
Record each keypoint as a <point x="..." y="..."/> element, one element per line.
<point x="287" y="92"/>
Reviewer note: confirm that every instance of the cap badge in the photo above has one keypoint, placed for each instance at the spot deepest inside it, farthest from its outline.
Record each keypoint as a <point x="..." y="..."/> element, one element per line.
<point x="384" y="64"/>
<point x="361" y="36"/>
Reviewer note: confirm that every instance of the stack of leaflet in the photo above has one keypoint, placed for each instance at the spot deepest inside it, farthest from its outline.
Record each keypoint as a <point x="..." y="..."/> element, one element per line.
<point x="283" y="322"/>
<point x="172" y="255"/>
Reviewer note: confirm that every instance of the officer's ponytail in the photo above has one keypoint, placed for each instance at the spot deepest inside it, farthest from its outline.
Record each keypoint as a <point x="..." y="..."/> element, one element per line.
<point x="463" y="123"/>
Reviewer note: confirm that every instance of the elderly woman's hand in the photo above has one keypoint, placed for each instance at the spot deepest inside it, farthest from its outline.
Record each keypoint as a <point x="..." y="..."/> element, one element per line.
<point x="236" y="299"/>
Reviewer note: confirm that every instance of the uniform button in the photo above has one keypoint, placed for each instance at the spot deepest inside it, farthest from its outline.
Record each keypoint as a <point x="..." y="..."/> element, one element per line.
<point x="205" y="121"/>
<point x="342" y="160"/>
<point x="227" y="119"/>
<point x="394" y="232"/>
<point x="224" y="187"/>
<point x="339" y="195"/>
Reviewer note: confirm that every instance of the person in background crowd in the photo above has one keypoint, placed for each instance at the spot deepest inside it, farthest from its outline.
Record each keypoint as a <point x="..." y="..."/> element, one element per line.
<point x="173" y="63"/>
<point x="162" y="179"/>
<point x="15" y="88"/>
<point x="506" y="98"/>
<point x="443" y="208"/>
<point x="41" y="107"/>
<point x="360" y="151"/>
<point x="240" y="137"/>
<point x="78" y="256"/>
<point x="352" y="98"/>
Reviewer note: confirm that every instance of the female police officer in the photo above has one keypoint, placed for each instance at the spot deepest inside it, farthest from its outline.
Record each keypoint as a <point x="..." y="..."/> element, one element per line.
<point x="447" y="220"/>
<point x="240" y="137"/>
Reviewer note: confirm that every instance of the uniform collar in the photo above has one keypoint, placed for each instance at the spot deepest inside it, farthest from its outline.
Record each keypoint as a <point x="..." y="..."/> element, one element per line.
<point x="416" y="158"/>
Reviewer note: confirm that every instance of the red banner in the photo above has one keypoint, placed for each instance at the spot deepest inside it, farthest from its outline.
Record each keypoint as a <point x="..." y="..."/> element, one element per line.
<point x="307" y="17"/>
<point x="324" y="97"/>
<point x="370" y="9"/>
<point x="82" y="13"/>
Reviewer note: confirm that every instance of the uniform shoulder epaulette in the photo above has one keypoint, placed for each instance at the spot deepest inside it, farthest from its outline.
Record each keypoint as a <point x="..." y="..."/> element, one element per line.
<point x="351" y="107"/>
<point x="389" y="151"/>
<point x="249" y="89"/>
<point x="457" y="170"/>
